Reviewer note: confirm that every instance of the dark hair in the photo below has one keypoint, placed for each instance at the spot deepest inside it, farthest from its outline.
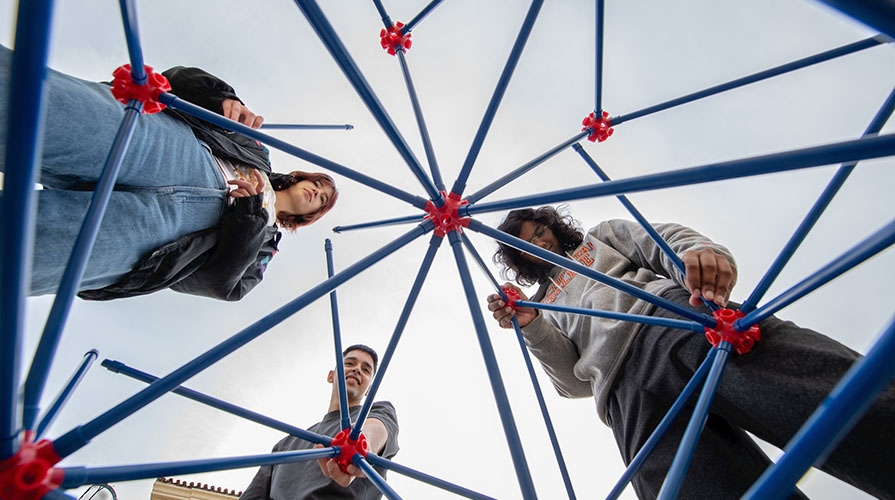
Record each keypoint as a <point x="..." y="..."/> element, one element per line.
<point x="281" y="182"/>
<point x="524" y="272"/>
<point x="368" y="350"/>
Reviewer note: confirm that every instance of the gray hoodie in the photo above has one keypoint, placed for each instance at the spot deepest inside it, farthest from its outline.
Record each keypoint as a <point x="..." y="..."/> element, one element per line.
<point x="582" y="354"/>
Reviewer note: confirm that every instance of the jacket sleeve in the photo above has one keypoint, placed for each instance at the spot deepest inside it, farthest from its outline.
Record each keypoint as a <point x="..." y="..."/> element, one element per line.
<point x="558" y="356"/>
<point x="237" y="263"/>
<point x="631" y="240"/>
<point x="199" y="87"/>
<point x="259" y="488"/>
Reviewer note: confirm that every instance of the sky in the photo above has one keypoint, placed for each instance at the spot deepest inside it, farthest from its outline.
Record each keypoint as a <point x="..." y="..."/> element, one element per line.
<point x="654" y="51"/>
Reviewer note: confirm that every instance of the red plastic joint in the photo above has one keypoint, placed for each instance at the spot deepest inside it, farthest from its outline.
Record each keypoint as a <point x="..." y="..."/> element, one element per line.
<point x="392" y="38"/>
<point x="512" y="297"/>
<point x="29" y="474"/>
<point x="601" y="128"/>
<point x="124" y="89"/>
<point x="742" y="342"/>
<point x="447" y="217"/>
<point x="349" y="448"/>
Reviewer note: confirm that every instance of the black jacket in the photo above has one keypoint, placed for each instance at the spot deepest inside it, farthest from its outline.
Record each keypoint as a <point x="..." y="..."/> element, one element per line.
<point x="223" y="262"/>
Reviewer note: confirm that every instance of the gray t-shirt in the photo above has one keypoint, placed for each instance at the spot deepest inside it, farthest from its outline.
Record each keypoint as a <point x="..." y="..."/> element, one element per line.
<point x="304" y="481"/>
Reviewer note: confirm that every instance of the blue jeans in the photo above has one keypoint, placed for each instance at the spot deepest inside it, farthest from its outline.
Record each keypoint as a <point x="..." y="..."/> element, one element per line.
<point x="168" y="186"/>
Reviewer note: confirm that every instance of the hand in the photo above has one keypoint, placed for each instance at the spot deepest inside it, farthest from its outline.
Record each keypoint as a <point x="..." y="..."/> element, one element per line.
<point x="246" y="188"/>
<point x="504" y="314"/>
<point x="330" y="468"/>
<point x="236" y="111"/>
<point x="710" y="275"/>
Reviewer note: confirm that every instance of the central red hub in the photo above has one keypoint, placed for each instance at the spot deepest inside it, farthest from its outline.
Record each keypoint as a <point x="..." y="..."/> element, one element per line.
<point x="349" y="448"/>
<point x="742" y="342"/>
<point x="601" y="128"/>
<point x="29" y="474"/>
<point x="124" y="89"/>
<point x="447" y="217"/>
<point x="392" y="38"/>
<point x="512" y="297"/>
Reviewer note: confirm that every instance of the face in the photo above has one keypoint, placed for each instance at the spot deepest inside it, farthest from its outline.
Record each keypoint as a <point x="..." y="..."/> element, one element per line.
<point x="358" y="375"/>
<point x="540" y="235"/>
<point x="309" y="196"/>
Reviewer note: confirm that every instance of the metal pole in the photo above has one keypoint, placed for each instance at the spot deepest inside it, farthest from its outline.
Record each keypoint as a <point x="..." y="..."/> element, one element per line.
<point x="690" y="326"/>
<point x="398" y="220"/>
<point x="344" y="415"/>
<point x="878" y="14"/>
<point x="434" y="481"/>
<point x="374" y="477"/>
<point x="419" y="17"/>
<point x="132" y="35"/>
<point x="420" y="120"/>
<point x="598" y="57"/>
<point x="66" y="392"/>
<point x="306" y="126"/>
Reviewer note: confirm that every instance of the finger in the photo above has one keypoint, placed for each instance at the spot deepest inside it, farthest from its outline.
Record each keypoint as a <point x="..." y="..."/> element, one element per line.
<point x="247" y="117"/>
<point x="694" y="274"/>
<point x="257" y="122"/>
<point x="259" y="180"/>
<point x="709" y="270"/>
<point x="725" y="281"/>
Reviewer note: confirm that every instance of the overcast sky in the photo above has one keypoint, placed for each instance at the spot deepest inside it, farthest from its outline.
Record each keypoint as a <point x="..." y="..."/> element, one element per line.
<point x="654" y="51"/>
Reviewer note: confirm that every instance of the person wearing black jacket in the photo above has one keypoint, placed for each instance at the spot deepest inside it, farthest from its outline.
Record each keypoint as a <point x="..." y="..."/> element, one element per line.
<point x="196" y="208"/>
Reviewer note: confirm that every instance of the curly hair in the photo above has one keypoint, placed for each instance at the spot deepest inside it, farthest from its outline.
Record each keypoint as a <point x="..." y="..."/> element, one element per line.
<point x="282" y="182"/>
<point x="522" y="271"/>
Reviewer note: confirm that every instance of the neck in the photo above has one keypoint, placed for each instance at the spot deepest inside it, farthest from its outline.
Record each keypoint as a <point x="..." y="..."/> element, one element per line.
<point x="334" y="402"/>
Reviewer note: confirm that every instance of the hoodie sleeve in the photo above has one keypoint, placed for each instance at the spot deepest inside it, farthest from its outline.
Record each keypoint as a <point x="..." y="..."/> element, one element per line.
<point x="558" y="356"/>
<point x="199" y="87"/>
<point x="631" y="240"/>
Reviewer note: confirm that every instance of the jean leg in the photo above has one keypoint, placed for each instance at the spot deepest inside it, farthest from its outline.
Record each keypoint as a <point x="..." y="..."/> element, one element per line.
<point x="137" y="221"/>
<point x="82" y="120"/>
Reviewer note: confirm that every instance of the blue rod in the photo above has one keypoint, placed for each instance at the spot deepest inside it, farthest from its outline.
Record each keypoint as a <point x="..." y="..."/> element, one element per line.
<point x="545" y="414"/>
<point x="598" y="58"/>
<point x="79" y="476"/>
<point x="499" y="91"/>
<point x="221" y="121"/>
<point x="571" y="265"/>
<point x="311" y="437"/>
<point x="497" y="387"/>
<point x="816" y="211"/>
<point x="872" y="245"/>
<point x="74" y="270"/>
<point x="419" y="17"/>
<point x="426" y="478"/>
<point x="388" y="222"/>
<point x="421" y="121"/>
<point x="832" y="420"/>
<point x="374" y="477"/>
<point x="664" y="424"/>
<point x="305" y="126"/>
<point x="687" y="448"/>
<point x="515" y="174"/>
<point x="856" y="149"/>
<point x="345" y="416"/>
<point x="26" y="107"/>
<point x="57" y="495"/>
<point x="132" y="35"/>
<point x="386" y="20"/>
<point x="340" y="54"/>
<point x="81" y="435"/>
<point x="650" y="230"/>
<point x="663" y="245"/>
<point x="755" y="77"/>
<point x="690" y="326"/>
<point x="434" y="244"/>
<point x="878" y="14"/>
<point x="62" y="397"/>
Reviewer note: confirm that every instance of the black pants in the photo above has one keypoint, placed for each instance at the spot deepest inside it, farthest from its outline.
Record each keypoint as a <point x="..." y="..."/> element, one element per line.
<point x="769" y="392"/>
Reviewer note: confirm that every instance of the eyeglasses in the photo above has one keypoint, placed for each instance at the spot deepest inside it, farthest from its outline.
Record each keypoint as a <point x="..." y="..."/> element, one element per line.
<point x="538" y="234"/>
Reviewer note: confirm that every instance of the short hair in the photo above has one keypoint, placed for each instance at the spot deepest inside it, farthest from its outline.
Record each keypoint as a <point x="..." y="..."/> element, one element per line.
<point x="525" y="272"/>
<point x="280" y="182"/>
<point x="366" y="349"/>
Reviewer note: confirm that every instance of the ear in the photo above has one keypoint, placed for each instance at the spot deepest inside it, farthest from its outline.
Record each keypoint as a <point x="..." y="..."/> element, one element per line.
<point x="330" y="376"/>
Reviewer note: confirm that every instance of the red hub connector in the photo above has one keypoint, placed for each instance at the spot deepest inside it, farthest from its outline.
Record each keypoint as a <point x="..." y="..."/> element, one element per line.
<point x="29" y="474"/>
<point x="512" y="297"/>
<point x="742" y="342"/>
<point x="447" y="217"/>
<point x="601" y="128"/>
<point x="392" y="38"/>
<point x="124" y="89"/>
<point x="349" y="448"/>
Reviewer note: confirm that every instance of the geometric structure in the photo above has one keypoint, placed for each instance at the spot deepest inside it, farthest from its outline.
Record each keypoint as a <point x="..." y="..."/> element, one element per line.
<point x="28" y="463"/>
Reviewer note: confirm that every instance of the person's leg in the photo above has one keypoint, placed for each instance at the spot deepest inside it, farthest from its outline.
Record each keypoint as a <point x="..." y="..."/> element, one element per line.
<point x="726" y="461"/>
<point x="81" y="122"/>
<point x="137" y="221"/>
<point x="772" y="391"/>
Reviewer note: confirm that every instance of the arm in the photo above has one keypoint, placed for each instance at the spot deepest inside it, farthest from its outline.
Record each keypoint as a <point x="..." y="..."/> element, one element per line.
<point x="381" y="432"/>
<point x="710" y="267"/>
<point x="238" y="261"/>
<point x="210" y="92"/>
<point x="556" y="353"/>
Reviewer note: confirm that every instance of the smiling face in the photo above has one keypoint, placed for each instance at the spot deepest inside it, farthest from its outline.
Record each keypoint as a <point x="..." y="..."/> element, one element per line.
<point x="538" y="234"/>
<point x="359" y="371"/>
